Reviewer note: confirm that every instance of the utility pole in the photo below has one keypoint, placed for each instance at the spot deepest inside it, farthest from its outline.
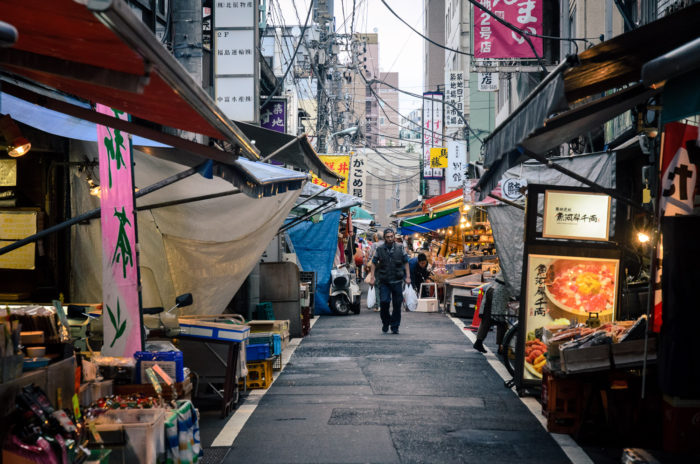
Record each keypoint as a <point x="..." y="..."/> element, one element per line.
<point x="323" y="14"/>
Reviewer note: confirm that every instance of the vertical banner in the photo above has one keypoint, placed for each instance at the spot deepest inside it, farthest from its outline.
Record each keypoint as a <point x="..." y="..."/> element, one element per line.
<point x="680" y="156"/>
<point x="358" y="181"/>
<point x="340" y="164"/>
<point x="432" y="131"/>
<point x="273" y="116"/>
<point x="454" y="95"/>
<point x="456" y="164"/>
<point x="494" y="40"/>
<point x="120" y="295"/>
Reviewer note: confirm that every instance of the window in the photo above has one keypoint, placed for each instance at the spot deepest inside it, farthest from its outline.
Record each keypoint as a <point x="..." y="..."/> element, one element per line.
<point x="381" y="121"/>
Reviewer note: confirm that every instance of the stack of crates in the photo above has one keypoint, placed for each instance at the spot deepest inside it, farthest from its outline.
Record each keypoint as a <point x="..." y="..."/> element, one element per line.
<point x="259" y="374"/>
<point x="310" y="278"/>
<point x="562" y="403"/>
<point x="271" y="340"/>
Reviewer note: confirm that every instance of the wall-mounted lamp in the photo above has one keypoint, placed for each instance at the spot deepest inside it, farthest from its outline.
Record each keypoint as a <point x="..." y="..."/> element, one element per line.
<point x="15" y="143"/>
<point x="643" y="237"/>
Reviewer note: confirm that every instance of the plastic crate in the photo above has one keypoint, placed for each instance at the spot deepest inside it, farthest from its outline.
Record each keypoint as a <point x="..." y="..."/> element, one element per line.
<point x="264" y="312"/>
<point x="277" y="363"/>
<point x="257" y="352"/>
<point x="260" y="338"/>
<point x="276" y="344"/>
<point x="259" y="374"/>
<point x="562" y="403"/>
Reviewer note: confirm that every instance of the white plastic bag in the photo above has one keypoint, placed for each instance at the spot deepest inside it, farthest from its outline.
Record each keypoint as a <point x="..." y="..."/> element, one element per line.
<point x="410" y="298"/>
<point x="371" y="297"/>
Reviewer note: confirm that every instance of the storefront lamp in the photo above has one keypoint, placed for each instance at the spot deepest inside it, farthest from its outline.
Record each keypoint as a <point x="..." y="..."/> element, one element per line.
<point x="15" y="143"/>
<point x="643" y="237"/>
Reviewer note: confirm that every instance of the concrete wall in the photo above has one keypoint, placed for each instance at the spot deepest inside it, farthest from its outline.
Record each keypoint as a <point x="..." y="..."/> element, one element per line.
<point x="433" y="56"/>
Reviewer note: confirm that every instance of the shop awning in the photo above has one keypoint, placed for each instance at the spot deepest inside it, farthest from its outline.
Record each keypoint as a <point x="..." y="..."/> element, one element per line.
<point x="444" y="201"/>
<point x="290" y="150"/>
<point x="615" y="64"/>
<point x="429" y="223"/>
<point x="101" y="52"/>
<point x="408" y="210"/>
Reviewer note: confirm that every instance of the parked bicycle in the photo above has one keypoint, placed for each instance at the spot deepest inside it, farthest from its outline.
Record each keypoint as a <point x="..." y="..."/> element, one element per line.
<point x="511" y="338"/>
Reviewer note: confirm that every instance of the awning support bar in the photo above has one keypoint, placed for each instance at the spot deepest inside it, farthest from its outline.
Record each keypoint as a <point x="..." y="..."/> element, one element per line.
<point x="597" y="187"/>
<point x="187" y="200"/>
<point x="303" y="218"/>
<point x="314" y="196"/>
<point x="96" y="212"/>
<point x="282" y="148"/>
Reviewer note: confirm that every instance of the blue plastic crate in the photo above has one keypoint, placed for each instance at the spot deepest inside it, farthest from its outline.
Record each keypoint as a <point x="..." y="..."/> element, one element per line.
<point x="277" y="343"/>
<point x="257" y="352"/>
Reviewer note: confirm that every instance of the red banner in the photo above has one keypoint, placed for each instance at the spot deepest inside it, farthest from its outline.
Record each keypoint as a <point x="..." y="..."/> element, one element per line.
<point x="494" y="40"/>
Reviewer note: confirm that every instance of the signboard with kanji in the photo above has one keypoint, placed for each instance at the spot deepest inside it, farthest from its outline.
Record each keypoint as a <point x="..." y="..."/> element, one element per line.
<point x="454" y="98"/>
<point x="438" y="157"/>
<point x="236" y="59"/>
<point x="494" y="40"/>
<point x="487" y="81"/>
<point x="273" y="116"/>
<point x="432" y="131"/>
<point x="576" y="215"/>
<point x="120" y="294"/>
<point x="340" y="164"/>
<point x="456" y="164"/>
<point x="358" y="175"/>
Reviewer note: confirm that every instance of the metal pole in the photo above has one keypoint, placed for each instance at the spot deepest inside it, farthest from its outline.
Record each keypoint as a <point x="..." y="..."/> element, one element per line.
<point x="313" y="196"/>
<point x="96" y="212"/>
<point x="187" y="200"/>
<point x="296" y="221"/>
<point x="283" y="147"/>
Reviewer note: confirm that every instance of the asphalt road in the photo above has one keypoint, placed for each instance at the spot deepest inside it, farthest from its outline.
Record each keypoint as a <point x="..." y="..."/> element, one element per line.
<point x="351" y="394"/>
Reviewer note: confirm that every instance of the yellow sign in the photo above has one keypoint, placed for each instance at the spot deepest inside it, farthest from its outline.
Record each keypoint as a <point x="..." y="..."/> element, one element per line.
<point x="438" y="157"/>
<point x="15" y="225"/>
<point x="340" y="164"/>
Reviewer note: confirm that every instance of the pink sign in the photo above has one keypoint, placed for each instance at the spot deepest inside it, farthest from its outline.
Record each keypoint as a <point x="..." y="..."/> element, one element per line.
<point x="494" y="40"/>
<point x="120" y="312"/>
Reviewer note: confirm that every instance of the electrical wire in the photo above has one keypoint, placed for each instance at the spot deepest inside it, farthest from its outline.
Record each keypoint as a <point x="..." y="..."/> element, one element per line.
<point x="398" y="181"/>
<point x="291" y="62"/>
<point x="424" y="37"/>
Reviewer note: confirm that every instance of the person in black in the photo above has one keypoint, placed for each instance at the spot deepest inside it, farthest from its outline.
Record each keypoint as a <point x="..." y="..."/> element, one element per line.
<point x="419" y="271"/>
<point x="389" y="269"/>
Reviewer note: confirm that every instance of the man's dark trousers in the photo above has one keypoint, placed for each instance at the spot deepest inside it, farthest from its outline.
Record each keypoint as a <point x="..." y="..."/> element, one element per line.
<point x="391" y="292"/>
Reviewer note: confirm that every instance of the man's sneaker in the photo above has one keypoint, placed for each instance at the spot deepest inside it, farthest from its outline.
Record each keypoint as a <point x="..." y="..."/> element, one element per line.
<point x="385" y="328"/>
<point x="395" y="331"/>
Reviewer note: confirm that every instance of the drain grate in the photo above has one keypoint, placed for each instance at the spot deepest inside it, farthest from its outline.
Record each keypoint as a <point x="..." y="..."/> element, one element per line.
<point x="215" y="455"/>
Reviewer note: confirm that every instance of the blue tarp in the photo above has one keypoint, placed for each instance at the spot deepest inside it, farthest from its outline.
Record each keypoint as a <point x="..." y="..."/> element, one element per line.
<point x="434" y="225"/>
<point x="315" y="246"/>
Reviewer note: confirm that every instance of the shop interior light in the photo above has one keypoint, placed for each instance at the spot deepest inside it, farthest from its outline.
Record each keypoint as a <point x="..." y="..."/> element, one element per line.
<point x="467" y="207"/>
<point x="643" y="237"/>
<point x="15" y="143"/>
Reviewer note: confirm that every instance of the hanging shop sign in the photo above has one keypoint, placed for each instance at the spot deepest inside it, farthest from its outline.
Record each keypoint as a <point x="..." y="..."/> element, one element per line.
<point x="432" y="131"/>
<point x="120" y="295"/>
<point x="512" y="188"/>
<point x="456" y="164"/>
<point x="438" y="157"/>
<point x="358" y="175"/>
<point x="576" y="215"/>
<point x="560" y="290"/>
<point x="340" y="164"/>
<point x="494" y="40"/>
<point x="273" y="116"/>
<point x="454" y="98"/>
<point x="236" y="59"/>
<point x="487" y="81"/>
<point x="16" y="225"/>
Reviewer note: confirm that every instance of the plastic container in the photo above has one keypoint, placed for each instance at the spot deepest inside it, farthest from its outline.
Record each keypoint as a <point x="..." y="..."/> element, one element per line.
<point x="171" y="362"/>
<point x="257" y="352"/>
<point x="263" y="311"/>
<point x="144" y="431"/>
<point x="276" y="344"/>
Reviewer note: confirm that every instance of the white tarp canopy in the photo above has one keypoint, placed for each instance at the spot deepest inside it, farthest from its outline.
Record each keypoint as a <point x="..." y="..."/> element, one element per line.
<point x="206" y="248"/>
<point x="508" y="222"/>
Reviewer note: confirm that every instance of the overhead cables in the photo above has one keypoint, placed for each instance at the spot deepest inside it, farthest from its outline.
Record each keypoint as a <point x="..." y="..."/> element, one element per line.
<point x="291" y="62"/>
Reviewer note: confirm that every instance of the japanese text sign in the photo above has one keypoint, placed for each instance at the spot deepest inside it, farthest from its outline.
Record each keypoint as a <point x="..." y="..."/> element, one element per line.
<point x="454" y="98"/>
<point x="432" y="131"/>
<point x="340" y="164"/>
<point x="358" y="175"/>
<point x="120" y="297"/>
<point x="576" y="215"/>
<point x="456" y="164"/>
<point x="273" y="116"/>
<point x="438" y="157"/>
<point x="488" y="81"/>
<point x="494" y="40"/>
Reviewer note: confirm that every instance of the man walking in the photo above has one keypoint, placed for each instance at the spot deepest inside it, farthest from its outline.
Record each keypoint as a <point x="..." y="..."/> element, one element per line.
<point x="390" y="264"/>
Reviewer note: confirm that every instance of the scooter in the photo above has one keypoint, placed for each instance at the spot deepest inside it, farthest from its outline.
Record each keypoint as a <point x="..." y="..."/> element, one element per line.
<point x="345" y="292"/>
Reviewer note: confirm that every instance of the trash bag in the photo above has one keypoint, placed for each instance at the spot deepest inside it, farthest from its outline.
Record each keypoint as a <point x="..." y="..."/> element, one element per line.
<point x="371" y="297"/>
<point x="410" y="298"/>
